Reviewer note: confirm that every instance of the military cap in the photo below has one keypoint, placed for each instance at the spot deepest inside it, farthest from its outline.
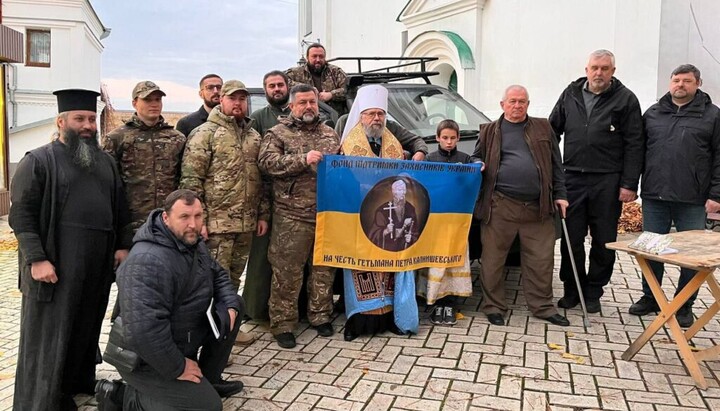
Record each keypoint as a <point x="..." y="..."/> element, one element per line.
<point x="144" y="89"/>
<point x="76" y="99"/>
<point x="232" y="86"/>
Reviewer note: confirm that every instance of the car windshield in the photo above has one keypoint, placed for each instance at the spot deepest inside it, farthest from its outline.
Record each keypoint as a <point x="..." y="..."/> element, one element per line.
<point x="257" y="101"/>
<point x="420" y="109"/>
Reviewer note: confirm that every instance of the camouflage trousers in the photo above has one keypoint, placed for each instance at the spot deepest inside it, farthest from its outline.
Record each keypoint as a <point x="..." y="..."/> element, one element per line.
<point x="231" y="250"/>
<point x="291" y="246"/>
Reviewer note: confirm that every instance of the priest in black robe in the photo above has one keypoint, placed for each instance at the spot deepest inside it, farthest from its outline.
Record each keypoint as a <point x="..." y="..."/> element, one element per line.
<point x="71" y="220"/>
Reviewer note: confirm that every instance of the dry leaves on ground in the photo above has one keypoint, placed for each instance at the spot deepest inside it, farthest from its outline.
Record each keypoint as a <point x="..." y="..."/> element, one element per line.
<point x="8" y="245"/>
<point x="578" y="359"/>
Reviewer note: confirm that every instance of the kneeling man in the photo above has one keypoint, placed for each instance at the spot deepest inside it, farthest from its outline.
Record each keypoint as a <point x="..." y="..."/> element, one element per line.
<point x="165" y="288"/>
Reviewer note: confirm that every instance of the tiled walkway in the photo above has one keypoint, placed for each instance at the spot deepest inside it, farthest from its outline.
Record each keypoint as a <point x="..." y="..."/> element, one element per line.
<point x="526" y="365"/>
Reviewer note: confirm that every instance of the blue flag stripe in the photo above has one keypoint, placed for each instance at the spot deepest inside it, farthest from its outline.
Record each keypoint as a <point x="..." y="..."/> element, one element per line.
<point x="344" y="182"/>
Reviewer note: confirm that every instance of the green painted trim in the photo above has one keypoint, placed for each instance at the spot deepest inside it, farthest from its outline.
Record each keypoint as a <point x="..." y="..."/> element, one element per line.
<point x="464" y="52"/>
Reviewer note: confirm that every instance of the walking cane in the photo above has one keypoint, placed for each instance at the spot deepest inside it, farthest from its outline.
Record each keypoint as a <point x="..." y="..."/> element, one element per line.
<point x="586" y="321"/>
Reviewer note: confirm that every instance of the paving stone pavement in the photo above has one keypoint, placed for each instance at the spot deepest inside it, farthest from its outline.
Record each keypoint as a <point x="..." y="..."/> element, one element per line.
<point x="470" y="366"/>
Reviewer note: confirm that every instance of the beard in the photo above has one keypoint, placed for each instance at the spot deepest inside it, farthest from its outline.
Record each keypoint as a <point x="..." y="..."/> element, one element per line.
<point x="84" y="150"/>
<point x="278" y="101"/>
<point x="189" y="238"/>
<point x="374" y="130"/>
<point x="315" y="69"/>
<point x="309" y="118"/>
<point x="211" y="103"/>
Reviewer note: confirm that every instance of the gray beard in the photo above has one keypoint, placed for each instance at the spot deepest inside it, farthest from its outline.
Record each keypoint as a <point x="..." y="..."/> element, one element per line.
<point x="84" y="150"/>
<point x="373" y="131"/>
<point x="400" y="210"/>
<point x="309" y="118"/>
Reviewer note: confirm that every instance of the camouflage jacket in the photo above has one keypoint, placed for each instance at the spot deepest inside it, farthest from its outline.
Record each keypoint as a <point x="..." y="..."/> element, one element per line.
<point x="149" y="162"/>
<point x="333" y="80"/>
<point x="221" y="165"/>
<point x="283" y="159"/>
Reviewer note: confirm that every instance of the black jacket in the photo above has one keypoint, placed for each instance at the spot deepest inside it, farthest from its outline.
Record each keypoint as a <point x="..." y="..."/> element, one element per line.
<point x="190" y="122"/>
<point x="682" y="162"/>
<point x="610" y="141"/>
<point x="454" y="156"/>
<point x="163" y="305"/>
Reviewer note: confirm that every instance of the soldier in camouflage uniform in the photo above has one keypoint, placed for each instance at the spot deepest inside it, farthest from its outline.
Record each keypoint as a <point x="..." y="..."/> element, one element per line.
<point x="256" y="292"/>
<point x="221" y="166"/>
<point x="148" y="153"/>
<point x="328" y="79"/>
<point x="289" y="154"/>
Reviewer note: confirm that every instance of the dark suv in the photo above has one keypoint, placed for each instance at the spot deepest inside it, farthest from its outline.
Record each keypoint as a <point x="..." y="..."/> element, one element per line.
<point x="418" y="107"/>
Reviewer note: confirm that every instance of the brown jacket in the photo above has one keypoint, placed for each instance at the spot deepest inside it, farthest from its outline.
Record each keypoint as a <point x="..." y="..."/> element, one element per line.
<point x="544" y="149"/>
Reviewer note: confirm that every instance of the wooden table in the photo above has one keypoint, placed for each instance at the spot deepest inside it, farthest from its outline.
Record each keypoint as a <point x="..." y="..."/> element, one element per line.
<point x="698" y="250"/>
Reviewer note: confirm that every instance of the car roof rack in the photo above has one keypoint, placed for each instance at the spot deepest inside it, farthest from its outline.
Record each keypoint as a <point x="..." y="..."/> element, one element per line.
<point x="385" y="75"/>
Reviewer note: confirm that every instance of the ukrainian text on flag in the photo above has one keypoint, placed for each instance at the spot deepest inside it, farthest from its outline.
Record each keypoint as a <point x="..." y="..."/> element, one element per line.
<point x="392" y="215"/>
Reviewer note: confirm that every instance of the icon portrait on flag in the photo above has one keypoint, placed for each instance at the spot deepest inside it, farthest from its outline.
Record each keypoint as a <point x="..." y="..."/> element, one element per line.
<point x="394" y="213"/>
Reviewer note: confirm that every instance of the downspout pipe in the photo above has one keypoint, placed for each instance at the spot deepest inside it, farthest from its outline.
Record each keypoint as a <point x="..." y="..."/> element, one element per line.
<point x="11" y="95"/>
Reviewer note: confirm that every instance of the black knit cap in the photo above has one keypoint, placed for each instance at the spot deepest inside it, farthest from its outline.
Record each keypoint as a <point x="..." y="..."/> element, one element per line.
<point x="76" y="99"/>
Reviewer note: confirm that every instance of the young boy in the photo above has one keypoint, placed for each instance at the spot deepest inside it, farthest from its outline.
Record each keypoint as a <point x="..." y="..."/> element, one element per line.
<point x="440" y="286"/>
<point x="447" y="136"/>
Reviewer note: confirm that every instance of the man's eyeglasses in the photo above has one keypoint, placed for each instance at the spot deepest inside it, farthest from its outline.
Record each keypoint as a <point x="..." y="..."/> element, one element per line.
<point x="373" y="114"/>
<point x="210" y="87"/>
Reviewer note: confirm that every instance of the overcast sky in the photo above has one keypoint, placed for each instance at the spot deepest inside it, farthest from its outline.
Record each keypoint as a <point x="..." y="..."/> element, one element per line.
<point x="176" y="42"/>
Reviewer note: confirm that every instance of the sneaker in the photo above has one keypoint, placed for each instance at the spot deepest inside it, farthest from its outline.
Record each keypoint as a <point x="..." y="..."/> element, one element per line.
<point x="245" y="338"/>
<point x="109" y="395"/>
<point x="685" y="316"/>
<point x="644" y="306"/>
<point x="436" y="317"/>
<point x="285" y="340"/>
<point x="449" y="316"/>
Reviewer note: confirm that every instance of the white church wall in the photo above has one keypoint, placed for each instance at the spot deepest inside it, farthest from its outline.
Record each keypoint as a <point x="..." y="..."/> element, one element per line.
<point x="544" y="45"/>
<point x="689" y="33"/>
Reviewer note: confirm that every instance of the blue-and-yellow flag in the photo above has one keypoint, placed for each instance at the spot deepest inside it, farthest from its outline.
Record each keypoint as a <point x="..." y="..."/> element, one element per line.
<point x="392" y="215"/>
